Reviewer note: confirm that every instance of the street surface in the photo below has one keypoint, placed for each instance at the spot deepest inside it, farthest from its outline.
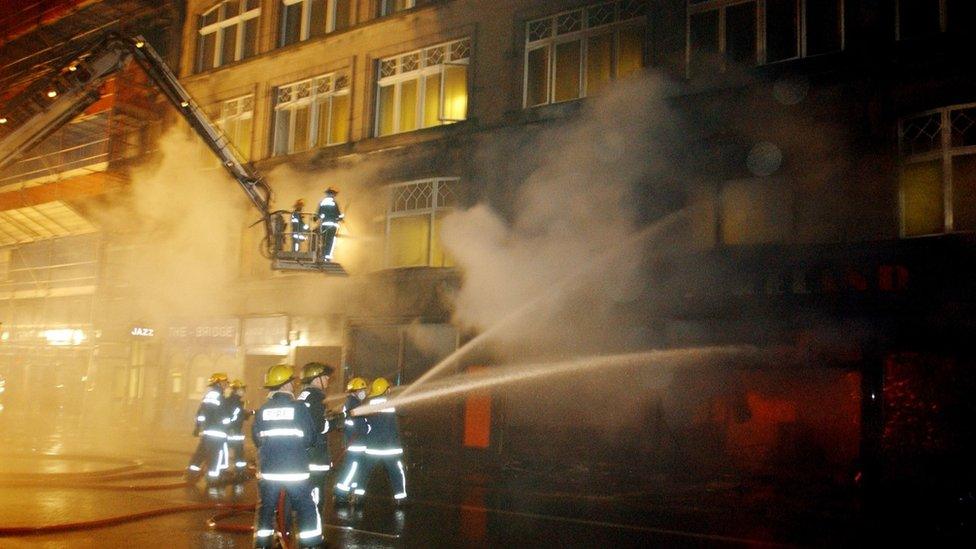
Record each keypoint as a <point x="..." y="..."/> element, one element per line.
<point x="54" y="480"/>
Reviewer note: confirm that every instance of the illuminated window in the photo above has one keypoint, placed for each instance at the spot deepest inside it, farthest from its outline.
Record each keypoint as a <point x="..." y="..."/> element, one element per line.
<point x="937" y="182"/>
<point x="413" y="222"/>
<point x="577" y="53"/>
<point x="304" y="19"/>
<point x="727" y="32"/>
<point x="226" y="33"/>
<point x="389" y="7"/>
<point x="423" y="88"/>
<point x="311" y="113"/>
<point x="236" y="119"/>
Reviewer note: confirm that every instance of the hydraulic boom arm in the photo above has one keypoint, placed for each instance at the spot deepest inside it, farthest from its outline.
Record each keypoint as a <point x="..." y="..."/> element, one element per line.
<point x="52" y="102"/>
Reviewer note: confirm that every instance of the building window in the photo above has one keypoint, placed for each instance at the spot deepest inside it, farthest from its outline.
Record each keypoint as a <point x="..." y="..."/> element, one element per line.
<point x="937" y="183"/>
<point x="577" y="53"/>
<point x="413" y="222"/>
<point x="747" y="32"/>
<point x="423" y="88"/>
<point x="226" y="33"/>
<point x="236" y="118"/>
<point x="304" y="19"/>
<point x="389" y="7"/>
<point x="917" y="18"/>
<point x="311" y="113"/>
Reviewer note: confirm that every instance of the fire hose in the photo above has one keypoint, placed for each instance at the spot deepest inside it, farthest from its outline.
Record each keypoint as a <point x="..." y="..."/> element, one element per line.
<point x="98" y="480"/>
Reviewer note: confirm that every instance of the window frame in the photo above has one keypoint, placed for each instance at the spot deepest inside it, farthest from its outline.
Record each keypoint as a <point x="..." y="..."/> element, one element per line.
<point x="583" y="34"/>
<point x="385" y="8"/>
<point x="217" y="28"/>
<point x="430" y="212"/>
<point x="943" y="19"/>
<point x="314" y="103"/>
<point x="304" y="33"/>
<point x="945" y="153"/>
<point x="420" y="74"/>
<point x="222" y="117"/>
<point x="762" y="58"/>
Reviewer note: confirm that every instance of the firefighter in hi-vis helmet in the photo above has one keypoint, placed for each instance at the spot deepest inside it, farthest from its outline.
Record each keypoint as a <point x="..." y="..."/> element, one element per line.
<point x="315" y="380"/>
<point x="212" y="448"/>
<point x="283" y="432"/>
<point x="299" y="228"/>
<point x="354" y="429"/>
<point x="329" y="216"/>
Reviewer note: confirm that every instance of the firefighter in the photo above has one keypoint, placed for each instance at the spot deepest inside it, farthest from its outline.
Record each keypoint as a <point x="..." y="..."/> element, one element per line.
<point x="234" y="415"/>
<point x="299" y="228"/>
<point x="283" y="432"/>
<point x="354" y="428"/>
<point x="212" y="448"/>
<point x="313" y="395"/>
<point x="383" y="446"/>
<point x="329" y="216"/>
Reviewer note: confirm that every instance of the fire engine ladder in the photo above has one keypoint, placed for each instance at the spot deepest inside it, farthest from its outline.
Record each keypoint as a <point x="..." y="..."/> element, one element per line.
<point x="52" y="102"/>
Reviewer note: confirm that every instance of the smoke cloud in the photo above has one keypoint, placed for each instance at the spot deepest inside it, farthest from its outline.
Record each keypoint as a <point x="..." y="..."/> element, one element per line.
<point x="581" y="191"/>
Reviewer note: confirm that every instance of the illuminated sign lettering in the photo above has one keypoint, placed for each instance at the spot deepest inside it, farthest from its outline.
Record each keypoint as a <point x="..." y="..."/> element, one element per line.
<point x="139" y="331"/>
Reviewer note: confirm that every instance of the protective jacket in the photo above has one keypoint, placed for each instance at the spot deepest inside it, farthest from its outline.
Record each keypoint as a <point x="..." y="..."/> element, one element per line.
<point x="210" y="414"/>
<point x="233" y="413"/>
<point x="355" y="426"/>
<point x="318" y="455"/>
<point x="283" y="431"/>
<point x="328" y="211"/>
<point x="382" y="430"/>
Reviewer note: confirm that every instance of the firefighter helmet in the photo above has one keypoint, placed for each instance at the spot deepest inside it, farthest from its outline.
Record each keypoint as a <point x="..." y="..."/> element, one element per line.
<point x="299" y="204"/>
<point x="379" y="386"/>
<point x="217" y="377"/>
<point x="237" y="384"/>
<point x="356" y="384"/>
<point x="313" y="370"/>
<point x="278" y="375"/>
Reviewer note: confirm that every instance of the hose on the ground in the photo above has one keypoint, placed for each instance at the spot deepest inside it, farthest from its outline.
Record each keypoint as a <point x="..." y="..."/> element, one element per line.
<point x="6" y="531"/>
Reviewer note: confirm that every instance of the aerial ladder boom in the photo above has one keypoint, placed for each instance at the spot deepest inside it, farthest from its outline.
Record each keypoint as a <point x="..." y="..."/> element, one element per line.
<point x="51" y="103"/>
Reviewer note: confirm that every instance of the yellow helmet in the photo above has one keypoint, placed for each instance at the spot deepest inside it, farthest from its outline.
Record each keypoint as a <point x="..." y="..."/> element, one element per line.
<point x="278" y="375"/>
<point x="217" y="377"/>
<point x="237" y="384"/>
<point x="313" y="370"/>
<point x="379" y="386"/>
<point x="356" y="384"/>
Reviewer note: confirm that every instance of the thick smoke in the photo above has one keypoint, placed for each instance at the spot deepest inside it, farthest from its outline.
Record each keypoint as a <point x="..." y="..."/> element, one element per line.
<point x="182" y="217"/>
<point x="566" y="249"/>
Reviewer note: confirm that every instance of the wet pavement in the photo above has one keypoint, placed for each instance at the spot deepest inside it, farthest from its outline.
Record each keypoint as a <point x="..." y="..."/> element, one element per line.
<point x="56" y="481"/>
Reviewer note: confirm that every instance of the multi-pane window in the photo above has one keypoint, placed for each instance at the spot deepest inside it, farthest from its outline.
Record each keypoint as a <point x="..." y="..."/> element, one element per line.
<point x="311" y="113"/>
<point x="389" y="7"/>
<point x="747" y="32"/>
<point x="226" y="33"/>
<point x="423" y="88"/>
<point x="304" y="19"/>
<point x="577" y="53"/>
<point x="413" y="222"/>
<point x="937" y="183"/>
<point x="915" y="18"/>
<point x="236" y="119"/>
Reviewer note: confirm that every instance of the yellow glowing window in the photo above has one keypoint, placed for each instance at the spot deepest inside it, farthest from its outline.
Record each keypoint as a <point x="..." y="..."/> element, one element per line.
<point x="577" y="53"/>
<point x="311" y="113"/>
<point x="423" y="88"/>
<point x="414" y="216"/>
<point x="236" y="120"/>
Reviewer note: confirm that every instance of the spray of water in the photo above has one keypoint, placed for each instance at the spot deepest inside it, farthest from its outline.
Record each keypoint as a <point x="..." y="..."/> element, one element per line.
<point x="585" y="275"/>
<point x="520" y="373"/>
